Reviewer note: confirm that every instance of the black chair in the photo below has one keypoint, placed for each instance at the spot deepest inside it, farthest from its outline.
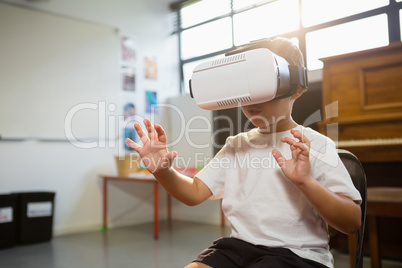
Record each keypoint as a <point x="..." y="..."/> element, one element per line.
<point x="358" y="176"/>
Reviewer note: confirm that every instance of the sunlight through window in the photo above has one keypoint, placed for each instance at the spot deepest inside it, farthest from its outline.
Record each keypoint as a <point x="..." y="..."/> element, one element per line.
<point x="202" y="11"/>
<point x="400" y="21"/>
<point x="324" y="28"/>
<point x="240" y="4"/>
<point x="207" y="38"/>
<point x="319" y="11"/>
<point x="266" y="21"/>
<point x="344" y="38"/>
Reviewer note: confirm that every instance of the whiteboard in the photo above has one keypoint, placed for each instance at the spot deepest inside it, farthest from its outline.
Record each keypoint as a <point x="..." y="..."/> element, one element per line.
<point x="51" y="65"/>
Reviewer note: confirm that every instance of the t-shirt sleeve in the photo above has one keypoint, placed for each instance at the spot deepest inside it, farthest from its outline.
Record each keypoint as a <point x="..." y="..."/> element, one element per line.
<point x="213" y="174"/>
<point x="329" y="170"/>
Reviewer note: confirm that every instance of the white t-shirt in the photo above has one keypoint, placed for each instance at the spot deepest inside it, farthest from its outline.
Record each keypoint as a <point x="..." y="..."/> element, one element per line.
<point x="262" y="205"/>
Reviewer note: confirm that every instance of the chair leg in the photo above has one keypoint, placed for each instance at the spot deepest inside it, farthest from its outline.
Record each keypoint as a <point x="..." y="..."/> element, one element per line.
<point x="352" y="242"/>
<point x="373" y="241"/>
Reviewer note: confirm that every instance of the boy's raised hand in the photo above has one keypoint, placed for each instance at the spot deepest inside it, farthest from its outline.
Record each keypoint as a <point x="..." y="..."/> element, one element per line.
<point x="296" y="169"/>
<point x="154" y="153"/>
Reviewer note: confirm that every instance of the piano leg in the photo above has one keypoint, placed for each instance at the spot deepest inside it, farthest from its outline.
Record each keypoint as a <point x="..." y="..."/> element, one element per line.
<point x="352" y="242"/>
<point x="373" y="241"/>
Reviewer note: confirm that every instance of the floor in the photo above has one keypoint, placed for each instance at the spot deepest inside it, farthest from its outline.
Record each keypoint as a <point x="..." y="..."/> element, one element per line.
<point x="133" y="246"/>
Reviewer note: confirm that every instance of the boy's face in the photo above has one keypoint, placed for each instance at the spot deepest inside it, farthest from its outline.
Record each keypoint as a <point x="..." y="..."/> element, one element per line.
<point x="269" y="115"/>
<point x="273" y="116"/>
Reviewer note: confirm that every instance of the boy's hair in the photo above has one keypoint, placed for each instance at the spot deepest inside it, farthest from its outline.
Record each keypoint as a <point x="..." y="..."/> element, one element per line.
<point x="287" y="49"/>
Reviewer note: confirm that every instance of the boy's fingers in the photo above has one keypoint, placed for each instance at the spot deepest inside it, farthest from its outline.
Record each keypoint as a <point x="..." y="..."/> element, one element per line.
<point x="302" y="146"/>
<point x="141" y="133"/>
<point x="296" y="147"/>
<point x="279" y="158"/>
<point x="288" y="141"/>
<point x="133" y="145"/>
<point x="161" y="133"/>
<point x="302" y="138"/>
<point x="150" y="129"/>
<point x="171" y="156"/>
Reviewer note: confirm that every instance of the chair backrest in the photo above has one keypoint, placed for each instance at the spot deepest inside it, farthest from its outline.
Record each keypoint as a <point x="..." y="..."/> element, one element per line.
<point x="358" y="176"/>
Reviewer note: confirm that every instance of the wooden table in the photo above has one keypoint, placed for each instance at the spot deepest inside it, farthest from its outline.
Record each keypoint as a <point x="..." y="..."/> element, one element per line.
<point x="139" y="179"/>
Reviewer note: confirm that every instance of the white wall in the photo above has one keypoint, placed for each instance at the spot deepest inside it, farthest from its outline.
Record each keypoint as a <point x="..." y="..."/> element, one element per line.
<point x="72" y="172"/>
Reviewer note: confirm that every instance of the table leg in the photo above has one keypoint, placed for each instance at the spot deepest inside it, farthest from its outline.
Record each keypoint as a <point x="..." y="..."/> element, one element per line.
<point x="156" y="210"/>
<point x="222" y="215"/>
<point x="169" y="203"/>
<point x="104" y="224"/>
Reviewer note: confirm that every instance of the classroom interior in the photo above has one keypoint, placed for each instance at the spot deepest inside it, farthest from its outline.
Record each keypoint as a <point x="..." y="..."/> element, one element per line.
<point x="76" y="75"/>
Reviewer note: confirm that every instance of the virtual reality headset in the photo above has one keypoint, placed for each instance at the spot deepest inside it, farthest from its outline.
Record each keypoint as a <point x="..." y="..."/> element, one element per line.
<point x="247" y="75"/>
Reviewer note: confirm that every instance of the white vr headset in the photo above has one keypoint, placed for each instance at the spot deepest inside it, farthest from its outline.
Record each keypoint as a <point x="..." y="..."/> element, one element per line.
<point x="246" y="75"/>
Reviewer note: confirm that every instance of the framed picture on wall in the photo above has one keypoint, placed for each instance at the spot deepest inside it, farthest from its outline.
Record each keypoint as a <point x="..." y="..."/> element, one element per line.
<point x="129" y="116"/>
<point x="128" y="78"/>
<point x="151" y="101"/>
<point x="151" y="70"/>
<point x="128" y="52"/>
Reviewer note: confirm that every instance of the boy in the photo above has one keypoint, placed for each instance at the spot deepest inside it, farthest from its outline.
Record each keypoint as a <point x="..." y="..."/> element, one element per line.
<point x="278" y="183"/>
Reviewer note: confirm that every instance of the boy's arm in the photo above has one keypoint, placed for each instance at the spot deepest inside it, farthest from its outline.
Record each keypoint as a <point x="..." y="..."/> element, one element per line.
<point x="158" y="160"/>
<point x="338" y="211"/>
<point x="190" y="191"/>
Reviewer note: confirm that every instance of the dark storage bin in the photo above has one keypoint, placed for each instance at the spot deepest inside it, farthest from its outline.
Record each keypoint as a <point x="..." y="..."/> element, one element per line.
<point x="35" y="217"/>
<point x="8" y="222"/>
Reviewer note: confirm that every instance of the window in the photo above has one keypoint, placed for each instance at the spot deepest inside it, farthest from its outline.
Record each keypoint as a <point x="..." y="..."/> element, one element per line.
<point x="321" y="28"/>
<point x="209" y="37"/>
<point x="241" y="4"/>
<point x="344" y="38"/>
<point x="319" y="11"/>
<point x="400" y="21"/>
<point x="202" y="11"/>
<point x="269" y="20"/>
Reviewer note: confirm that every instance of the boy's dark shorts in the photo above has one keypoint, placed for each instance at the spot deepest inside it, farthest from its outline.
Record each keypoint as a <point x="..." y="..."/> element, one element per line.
<point x="230" y="252"/>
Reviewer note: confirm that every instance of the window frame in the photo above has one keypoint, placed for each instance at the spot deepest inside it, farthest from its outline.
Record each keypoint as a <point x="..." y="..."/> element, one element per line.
<point x="391" y="10"/>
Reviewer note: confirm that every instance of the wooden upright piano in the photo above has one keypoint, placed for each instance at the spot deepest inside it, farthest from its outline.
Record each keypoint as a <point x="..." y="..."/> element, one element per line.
<point x="362" y="103"/>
